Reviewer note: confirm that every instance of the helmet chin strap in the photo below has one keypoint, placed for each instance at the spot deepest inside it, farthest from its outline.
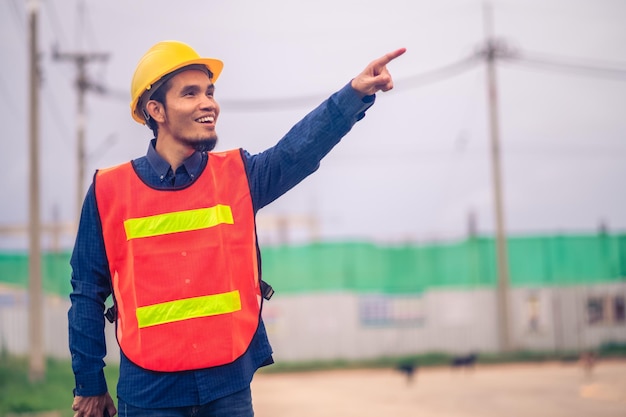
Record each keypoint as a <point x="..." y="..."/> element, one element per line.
<point x="145" y="115"/>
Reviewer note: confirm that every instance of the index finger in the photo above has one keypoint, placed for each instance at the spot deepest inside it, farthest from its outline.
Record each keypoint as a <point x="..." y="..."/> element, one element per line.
<point x="388" y="57"/>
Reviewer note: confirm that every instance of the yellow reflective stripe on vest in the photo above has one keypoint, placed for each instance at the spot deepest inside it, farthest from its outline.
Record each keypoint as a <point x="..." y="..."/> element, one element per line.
<point x="188" y="308"/>
<point x="179" y="221"/>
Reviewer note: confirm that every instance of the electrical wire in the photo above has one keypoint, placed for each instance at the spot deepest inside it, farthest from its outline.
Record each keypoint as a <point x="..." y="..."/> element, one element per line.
<point x="90" y="33"/>
<point x="583" y="67"/>
<point x="54" y="108"/>
<point x="18" y="15"/>
<point x="440" y="74"/>
<point x="48" y="95"/>
<point x="289" y="103"/>
<point x="114" y="93"/>
<point x="79" y="24"/>
<point x="57" y="28"/>
<point x="8" y="97"/>
<point x="482" y="152"/>
<point x="265" y="105"/>
<point x="18" y="112"/>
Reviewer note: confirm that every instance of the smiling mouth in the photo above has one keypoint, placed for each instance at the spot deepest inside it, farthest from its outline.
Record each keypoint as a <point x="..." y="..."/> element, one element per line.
<point x="206" y="119"/>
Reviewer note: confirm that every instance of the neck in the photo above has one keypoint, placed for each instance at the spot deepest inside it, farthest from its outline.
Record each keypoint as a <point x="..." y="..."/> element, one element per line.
<point x="173" y="152"/>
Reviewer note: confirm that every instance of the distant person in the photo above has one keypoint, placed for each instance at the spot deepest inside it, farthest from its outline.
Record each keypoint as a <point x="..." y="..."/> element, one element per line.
<point x="588" y="360"/>
<point x="171" y="235"/>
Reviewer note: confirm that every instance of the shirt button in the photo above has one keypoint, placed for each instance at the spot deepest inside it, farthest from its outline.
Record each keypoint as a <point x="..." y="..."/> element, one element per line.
<point x="183" y="253"/>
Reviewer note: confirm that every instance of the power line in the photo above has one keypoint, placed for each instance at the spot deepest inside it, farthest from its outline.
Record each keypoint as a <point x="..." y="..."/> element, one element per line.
<point x="90" y="29"/>
<point x="8" y="97"/>
<point x="54" y="108"/>
<point x="440" y="74"/>
<point x="112" y="93"/>
<point x="287" y="103"/>
<point x="583" y="67"/>
<point x="496" y="49"/>
<point x="18" y="15"/>
<point x="83" y="84"/>
<point x="408" y="83"/>
<point x="57" y="28"/>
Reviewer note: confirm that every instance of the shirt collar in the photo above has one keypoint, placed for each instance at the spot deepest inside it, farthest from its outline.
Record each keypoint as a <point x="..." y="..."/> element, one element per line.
<point x="193" y="164"/>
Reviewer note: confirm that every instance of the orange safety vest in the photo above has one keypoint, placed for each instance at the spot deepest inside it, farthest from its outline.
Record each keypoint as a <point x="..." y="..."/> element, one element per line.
<point x="184" y="265"/>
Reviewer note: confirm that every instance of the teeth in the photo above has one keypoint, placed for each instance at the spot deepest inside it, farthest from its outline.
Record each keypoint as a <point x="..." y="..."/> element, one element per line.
<point x="209" y="119"/>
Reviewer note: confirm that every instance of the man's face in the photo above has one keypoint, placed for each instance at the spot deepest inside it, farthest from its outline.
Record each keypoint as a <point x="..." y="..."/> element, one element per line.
<point x="191" y="111"/>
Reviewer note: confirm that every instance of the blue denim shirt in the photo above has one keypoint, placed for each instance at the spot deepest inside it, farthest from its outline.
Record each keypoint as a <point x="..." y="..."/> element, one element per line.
<point x="270" y="174"/>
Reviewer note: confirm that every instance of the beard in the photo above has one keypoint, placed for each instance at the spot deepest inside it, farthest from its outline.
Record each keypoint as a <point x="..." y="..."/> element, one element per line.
<point x="201" y="145"/>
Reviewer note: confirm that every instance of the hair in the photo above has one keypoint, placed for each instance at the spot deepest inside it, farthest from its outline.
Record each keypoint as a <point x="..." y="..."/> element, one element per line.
<point x="161" y="91"/>
<point x="158" y="95"/>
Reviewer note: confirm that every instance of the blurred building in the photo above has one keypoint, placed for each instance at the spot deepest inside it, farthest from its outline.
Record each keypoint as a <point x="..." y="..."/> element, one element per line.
<point x="356" y="300"/>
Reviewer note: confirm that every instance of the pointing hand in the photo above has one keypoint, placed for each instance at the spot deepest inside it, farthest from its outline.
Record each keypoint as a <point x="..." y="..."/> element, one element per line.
<point x="375" y="77"/>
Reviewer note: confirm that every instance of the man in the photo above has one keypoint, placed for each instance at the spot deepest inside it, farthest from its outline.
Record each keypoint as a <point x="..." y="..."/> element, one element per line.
<point x="171" y="236"/>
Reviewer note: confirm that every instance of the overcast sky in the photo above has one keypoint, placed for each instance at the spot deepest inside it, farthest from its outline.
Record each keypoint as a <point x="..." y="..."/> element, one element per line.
<point x="419" y="162"/>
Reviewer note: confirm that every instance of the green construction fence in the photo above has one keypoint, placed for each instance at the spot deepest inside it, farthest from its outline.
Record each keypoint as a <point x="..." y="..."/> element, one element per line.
<point x="393" y="269"/>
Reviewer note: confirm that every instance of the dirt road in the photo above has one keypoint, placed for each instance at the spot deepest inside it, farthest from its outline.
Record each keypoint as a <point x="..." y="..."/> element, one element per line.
<point x="538" y="390"/>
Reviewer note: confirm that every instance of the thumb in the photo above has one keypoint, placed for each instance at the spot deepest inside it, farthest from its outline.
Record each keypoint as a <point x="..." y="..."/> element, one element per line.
<point x="383" y="81"/>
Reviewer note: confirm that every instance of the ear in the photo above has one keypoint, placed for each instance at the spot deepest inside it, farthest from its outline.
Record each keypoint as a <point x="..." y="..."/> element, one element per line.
<point x="156" y="111"/>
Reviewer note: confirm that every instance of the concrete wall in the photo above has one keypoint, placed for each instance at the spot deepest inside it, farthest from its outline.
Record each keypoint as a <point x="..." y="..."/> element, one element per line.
<point x="355" y="326"/>
<point x="14" y="325"/>
<point x="360" y="326"/>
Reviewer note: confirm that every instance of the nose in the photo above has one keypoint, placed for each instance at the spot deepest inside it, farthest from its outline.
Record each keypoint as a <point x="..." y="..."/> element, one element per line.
<point x="208" y="102"/>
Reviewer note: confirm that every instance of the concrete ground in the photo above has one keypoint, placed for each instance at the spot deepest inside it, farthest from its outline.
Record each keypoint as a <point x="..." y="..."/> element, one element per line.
<point x="538" y="390"/>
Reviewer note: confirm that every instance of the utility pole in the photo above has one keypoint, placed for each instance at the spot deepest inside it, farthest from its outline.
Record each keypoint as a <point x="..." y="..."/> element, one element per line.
<point x="37" y="365"/>
<point x="81" y="59"/>
<point x="494" y="50"/>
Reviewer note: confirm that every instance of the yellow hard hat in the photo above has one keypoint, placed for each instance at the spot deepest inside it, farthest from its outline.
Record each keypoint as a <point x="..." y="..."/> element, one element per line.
<point x="160" y="60"/>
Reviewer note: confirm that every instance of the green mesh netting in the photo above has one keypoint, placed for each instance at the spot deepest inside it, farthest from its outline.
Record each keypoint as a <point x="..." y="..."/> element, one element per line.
<point x="367" y="267"/>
